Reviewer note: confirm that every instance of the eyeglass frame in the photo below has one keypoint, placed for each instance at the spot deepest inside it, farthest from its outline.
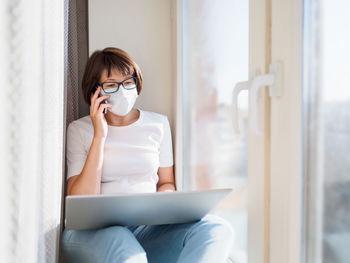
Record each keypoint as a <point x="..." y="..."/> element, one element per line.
<point x="119" y="83"/>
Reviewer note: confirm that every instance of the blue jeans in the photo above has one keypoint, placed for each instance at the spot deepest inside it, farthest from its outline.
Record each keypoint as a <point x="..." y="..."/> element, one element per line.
<point x="207" y="240"/>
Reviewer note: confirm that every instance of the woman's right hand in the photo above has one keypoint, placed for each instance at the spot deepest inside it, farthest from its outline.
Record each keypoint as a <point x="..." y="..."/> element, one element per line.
<point x="96" y="114"/>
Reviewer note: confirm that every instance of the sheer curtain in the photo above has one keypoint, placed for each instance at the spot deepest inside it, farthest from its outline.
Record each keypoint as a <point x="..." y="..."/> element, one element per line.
<point x="37" y="101"/>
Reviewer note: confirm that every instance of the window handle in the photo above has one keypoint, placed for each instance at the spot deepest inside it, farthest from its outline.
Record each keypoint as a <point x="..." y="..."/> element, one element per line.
<point x="244" y="85"/>
<point x="273" y="80"/>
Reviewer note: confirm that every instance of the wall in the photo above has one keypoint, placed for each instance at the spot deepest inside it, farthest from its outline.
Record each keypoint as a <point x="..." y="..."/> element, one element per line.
<point x="145" y="30"/>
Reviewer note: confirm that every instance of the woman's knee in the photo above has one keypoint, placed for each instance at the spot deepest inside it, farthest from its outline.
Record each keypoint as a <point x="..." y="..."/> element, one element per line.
<point x="75" y="248"/>
<point x="215" y="227"/>
<point x="110" y="244"/>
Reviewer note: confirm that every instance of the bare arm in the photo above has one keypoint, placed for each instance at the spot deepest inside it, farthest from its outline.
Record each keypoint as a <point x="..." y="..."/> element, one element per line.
<point x="89" y="180"/>
<point x="166" y="179"/>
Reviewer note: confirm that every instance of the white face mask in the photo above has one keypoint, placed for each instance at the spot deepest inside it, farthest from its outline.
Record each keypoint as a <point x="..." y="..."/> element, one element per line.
<point x="122" y="101"/>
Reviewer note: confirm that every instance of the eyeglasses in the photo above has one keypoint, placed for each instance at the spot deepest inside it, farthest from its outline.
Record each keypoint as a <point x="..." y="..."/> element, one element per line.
<point x="113" y="86"/>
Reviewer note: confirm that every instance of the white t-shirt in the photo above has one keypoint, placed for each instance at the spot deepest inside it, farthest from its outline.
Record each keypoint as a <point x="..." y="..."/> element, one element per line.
<point x="132" y="153"/>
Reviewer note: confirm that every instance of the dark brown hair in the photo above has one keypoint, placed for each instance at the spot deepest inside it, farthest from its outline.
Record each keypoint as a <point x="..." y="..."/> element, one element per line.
<point x="107" y="59"/>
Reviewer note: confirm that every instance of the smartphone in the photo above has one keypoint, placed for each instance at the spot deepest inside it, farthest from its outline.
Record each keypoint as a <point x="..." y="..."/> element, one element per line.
<point x="105" y="109"/>
<point x="99" y="95"/>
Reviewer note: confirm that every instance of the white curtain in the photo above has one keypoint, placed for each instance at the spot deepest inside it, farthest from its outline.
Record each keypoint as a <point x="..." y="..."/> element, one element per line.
<point x="31" y="128"/>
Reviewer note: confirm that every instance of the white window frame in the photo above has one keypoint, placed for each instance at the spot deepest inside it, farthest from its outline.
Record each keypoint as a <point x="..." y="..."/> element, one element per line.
<point x="275" y="158"/>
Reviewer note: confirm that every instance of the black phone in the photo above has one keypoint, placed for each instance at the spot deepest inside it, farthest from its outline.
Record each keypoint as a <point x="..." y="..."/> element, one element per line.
<point x="99" y="95"/>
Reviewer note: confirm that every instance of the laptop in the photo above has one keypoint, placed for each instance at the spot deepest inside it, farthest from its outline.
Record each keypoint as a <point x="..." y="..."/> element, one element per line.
<point x="99" y="211"/>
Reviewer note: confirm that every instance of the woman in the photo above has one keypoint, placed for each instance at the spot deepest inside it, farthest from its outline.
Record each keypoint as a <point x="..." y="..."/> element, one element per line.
<point x="122" y="149"/>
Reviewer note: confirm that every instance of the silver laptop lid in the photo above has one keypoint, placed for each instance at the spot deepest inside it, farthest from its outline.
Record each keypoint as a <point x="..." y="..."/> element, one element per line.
<point x="98" y="211"/>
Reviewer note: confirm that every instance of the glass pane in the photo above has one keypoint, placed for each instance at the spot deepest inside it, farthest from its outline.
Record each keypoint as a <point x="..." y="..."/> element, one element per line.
<point x="327" y="130"/>
<point x="215" y="36"/>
